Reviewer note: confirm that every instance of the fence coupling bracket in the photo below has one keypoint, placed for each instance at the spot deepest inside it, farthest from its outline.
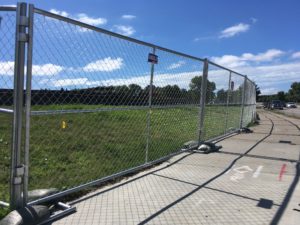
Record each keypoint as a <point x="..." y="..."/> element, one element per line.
<point x="23" y="37"/>
<point x="24" y="21"/>
<point x="19" y="173"/>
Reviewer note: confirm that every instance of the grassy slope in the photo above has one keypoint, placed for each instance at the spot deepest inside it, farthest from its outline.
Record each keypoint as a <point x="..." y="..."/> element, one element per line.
<point x="98" y="144"/>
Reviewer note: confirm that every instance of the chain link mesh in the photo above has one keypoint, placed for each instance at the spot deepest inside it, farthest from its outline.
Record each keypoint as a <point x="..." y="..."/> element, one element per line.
<point x="7" y="43"/>
<point x="235" y="101"/>
<point x="92" y="115"/>
<point x="216" y="101"/>
<point x="249" y="103"/>
<point x="175" y="105"/>
<point x="96" y="111"/>
<point x="89" y="101"/>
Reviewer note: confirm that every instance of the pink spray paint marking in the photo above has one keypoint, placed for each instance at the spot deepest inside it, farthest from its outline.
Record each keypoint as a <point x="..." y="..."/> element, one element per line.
<point x="282" y="171"/>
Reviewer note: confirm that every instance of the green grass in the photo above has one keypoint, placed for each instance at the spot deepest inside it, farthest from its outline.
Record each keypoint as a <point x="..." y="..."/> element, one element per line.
<point x="215" y="120"/>
<point x="94" y="145"/>
<point x="5" y="148"/>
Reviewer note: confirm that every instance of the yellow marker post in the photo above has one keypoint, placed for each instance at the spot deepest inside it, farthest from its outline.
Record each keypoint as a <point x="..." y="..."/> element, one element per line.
<point x="63" y="124"/>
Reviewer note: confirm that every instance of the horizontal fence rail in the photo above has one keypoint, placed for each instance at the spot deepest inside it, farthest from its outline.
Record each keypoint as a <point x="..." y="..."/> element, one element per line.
<point x="97" y="105"/>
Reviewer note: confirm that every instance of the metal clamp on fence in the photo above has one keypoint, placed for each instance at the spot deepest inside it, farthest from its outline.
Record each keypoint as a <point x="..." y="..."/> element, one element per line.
<point x="19" y="175"/>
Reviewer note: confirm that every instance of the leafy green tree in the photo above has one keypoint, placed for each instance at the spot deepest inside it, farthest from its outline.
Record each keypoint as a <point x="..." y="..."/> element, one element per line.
<point x="195" y="88"/>
<point x="135" y="89"/>
<point x="294" y="92"/>
<point x="281" y="96"/>
<point x="221" y="96"/>
<point x="257" y="89"/>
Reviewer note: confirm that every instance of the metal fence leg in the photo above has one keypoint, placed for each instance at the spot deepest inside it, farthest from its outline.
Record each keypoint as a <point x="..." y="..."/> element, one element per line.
<point x="28" y="102"/>
<point x="17" y="169"/>
<point x="150" y="110"/>
<point x="227" y="102"/>
<point x="243" y="102"/>
<point x="202" y="100"/>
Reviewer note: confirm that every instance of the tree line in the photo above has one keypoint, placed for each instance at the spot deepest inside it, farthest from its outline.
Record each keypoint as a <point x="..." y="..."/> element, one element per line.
<point x="292" y="95"/>
<point x="132" y="94"/>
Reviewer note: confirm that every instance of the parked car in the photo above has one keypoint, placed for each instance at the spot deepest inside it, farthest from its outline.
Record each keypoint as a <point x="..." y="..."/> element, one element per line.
<point x="291" y="105"/>
<point x="283" y="104"/>
<point x="275" y="104"/>
<point x="265" y="105"/>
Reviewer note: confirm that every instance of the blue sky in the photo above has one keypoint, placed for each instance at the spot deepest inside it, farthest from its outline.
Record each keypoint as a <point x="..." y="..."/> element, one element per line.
<point x="257" y="38"/>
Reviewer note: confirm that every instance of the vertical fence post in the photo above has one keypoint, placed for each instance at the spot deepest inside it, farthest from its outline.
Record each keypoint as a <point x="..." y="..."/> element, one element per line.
<point x="17" y="169"/>
<point x="28" y="102"/>
<point x="150" y="110"/>
<point x="202" y="100"/>
<point x="227" y="102"/>
<point x="243" y="101"/>
<point x="249" y="103"/>
<point x="253" y="101"/>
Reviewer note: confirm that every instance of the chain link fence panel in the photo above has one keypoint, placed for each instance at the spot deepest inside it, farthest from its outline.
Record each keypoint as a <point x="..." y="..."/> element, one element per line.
<point x="89" y="104"/>
<point x="99" y="107"/>
<point x="7" y="50"/>
<point x="97" y="101"/>
<point x="249" y="103"/>
<point x="235" y="101"/>
<point x="175" y="103"/>
<point x="216" y="102"/>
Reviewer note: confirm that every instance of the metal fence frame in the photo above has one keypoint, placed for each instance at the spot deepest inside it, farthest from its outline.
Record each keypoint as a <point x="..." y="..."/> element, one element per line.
<point x="23" y="59"/>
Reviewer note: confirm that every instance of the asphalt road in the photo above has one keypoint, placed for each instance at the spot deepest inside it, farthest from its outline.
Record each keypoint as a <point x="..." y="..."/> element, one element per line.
<point x="254" y="179"/>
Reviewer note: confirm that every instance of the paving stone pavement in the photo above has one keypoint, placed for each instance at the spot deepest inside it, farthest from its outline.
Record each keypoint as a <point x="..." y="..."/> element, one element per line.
<point x="227" y="187"/>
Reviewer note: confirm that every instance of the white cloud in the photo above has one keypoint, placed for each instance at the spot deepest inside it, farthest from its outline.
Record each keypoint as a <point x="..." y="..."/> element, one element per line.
<point x="230" y="61"/>
<point x="269" y="55"/>
<point x="269" y="91"/>
<point x="296" y="55"/>
<point x="268" y="77"/>
<point x="233" y="61"/>
<point x="205" y="38"/>
<point x="69" y="82"/>
<point x="128" y="17"/>
<point x="46" y="69"/>
<point x="271" y="77"/>
<point x="124" y="30"/>
<point x="181" y="79"/>
<point x="176" y="65"/>
<point x="82" y="17"/>
<point x="7" y="68"/>
<point x="107" y="65"/>
<point x="160" y="79"/>
<point x="234" y="30"/>
<point x="58" y="12"/>
<point x="278" y="73"/>
<point x="90" y="20"/>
